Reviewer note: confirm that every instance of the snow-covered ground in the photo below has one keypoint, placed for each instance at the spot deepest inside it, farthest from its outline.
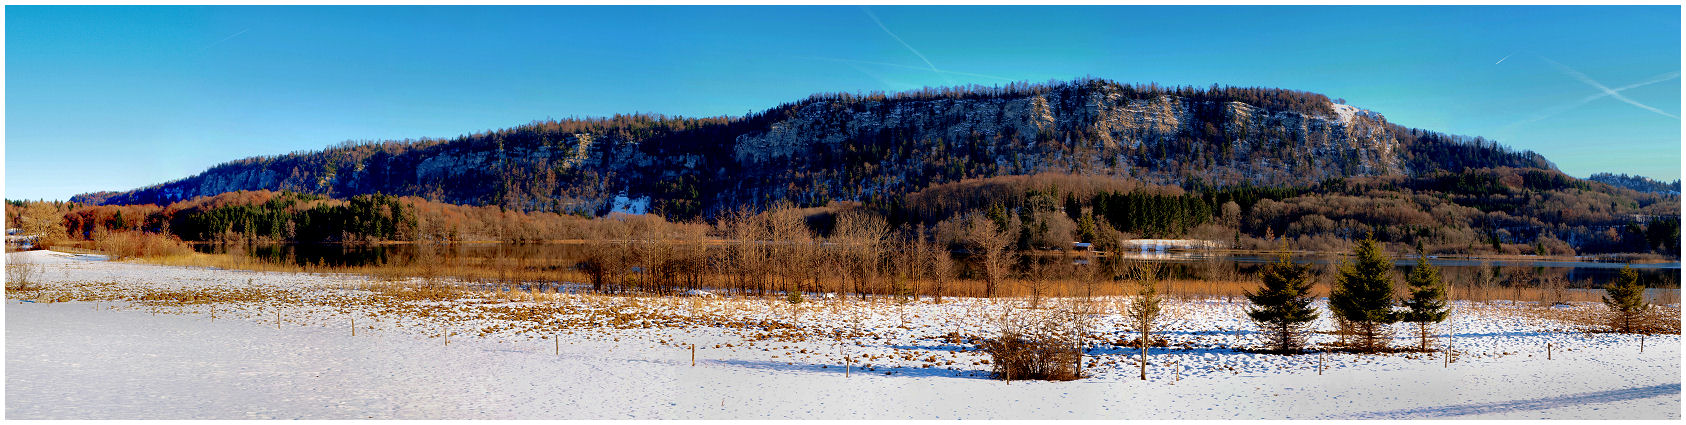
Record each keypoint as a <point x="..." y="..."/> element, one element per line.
<point x="112" y="356"/>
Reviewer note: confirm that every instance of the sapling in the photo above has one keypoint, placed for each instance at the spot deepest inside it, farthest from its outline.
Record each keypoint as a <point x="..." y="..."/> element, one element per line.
<point x="1626" y="298"/>
<point x="1145" y="308"/>
<point x="1427" y="304"/>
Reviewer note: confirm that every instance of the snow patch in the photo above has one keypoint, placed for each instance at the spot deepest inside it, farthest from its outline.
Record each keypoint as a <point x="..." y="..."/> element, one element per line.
<point x="1348" y="112"/>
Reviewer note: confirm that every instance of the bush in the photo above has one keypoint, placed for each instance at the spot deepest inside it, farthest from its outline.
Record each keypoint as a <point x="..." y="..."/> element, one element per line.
<point x="140" y="244"/>
<point x="21" y="275"/>
<point x="1033" y="346"/>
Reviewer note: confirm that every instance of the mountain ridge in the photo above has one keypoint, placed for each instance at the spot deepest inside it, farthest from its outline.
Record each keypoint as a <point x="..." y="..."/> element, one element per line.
<point x="867" y="147"/>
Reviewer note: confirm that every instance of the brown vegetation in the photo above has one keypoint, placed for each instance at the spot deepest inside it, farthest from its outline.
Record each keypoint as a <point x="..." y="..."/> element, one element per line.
<point x="1034" y="344"/>
<point x="133" y="244"/>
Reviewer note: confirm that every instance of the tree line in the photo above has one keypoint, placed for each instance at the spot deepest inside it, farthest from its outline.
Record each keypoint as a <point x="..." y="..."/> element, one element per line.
<point x="1473" y="211"/>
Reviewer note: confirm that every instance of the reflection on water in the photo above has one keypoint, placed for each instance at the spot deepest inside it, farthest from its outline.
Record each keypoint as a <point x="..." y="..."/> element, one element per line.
<point x="1178" y="264"/>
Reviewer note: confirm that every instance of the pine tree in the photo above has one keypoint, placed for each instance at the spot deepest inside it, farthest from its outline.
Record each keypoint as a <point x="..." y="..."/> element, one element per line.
<point x="1363" y="294"/>
<point x="1626" y="297"/>
<point x="1283" y="304"/>
<point x="1428" y="299"/>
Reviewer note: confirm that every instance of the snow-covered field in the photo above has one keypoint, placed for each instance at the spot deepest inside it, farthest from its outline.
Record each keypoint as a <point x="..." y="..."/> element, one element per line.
<point x="113" y="355"/>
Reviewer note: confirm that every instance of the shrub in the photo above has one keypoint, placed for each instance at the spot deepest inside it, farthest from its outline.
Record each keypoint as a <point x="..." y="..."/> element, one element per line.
<point x="21" y="275"/>
<point x="1033" y="346"/>
<point x="140" y="244"/>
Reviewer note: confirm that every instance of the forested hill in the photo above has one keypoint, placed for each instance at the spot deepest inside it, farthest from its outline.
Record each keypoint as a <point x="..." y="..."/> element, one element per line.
<point x="871" y="147"/>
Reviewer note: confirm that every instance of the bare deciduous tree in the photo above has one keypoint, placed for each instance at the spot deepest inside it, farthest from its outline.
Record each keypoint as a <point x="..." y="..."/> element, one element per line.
<point x="989" y="244"/>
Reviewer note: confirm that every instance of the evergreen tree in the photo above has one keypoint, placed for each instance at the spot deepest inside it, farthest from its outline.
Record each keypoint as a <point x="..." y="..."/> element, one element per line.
<point x="1363" y="294"/>
<point x="1283" y="304"/>
<point x="1428" y="299"/>
<point x="1626" y="297"/>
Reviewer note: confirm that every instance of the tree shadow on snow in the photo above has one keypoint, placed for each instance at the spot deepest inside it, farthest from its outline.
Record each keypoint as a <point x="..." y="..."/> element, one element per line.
<point x="876" y="371"/>
<point x="1535" y="404"/>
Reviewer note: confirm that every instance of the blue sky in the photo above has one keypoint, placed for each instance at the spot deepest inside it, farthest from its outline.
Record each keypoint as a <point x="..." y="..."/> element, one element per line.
<point x="114" y="98"/>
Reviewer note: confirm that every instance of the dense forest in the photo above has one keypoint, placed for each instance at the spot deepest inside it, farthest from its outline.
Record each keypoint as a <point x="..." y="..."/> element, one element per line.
<point x="870" y="148"/>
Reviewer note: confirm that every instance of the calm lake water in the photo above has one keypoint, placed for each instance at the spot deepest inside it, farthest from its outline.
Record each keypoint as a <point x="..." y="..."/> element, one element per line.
<point x="1179" y="264"/>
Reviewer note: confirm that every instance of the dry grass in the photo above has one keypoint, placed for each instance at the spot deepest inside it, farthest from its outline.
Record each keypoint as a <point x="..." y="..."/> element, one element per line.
<point x="139" y="244"/>
<point x="548" y="272"/>
<point x="1656" y="320"/>
<point x="1585" y="317"/>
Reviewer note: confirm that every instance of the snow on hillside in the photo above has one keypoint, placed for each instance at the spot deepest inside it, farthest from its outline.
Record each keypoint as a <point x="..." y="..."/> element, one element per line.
<point x="624" y="205"/>
<point x="1347" y="112"/>
<point x="69" y="360"/>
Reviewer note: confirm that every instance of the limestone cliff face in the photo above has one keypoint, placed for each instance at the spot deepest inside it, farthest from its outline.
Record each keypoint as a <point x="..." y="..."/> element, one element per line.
<point x="846" y="148"/>
<point x="1100" y="131"/>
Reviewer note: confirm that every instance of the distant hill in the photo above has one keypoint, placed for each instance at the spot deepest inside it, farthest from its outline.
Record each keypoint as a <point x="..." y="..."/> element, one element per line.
<point x="871" y="147"/>
<point x="1638" y="183"/>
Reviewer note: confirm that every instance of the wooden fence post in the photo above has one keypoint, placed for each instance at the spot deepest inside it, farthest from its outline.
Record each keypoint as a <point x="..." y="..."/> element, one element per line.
<point x="693" y="355"/>
<point x="1548" y="351"/>
<point x="1320" y="363"/>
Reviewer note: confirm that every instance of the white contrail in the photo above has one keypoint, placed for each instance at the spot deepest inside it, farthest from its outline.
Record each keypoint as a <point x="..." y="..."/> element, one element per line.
<point x="1563" y="108"/>
<point x="1502" y="60"/>
<point x="228" y="37"/>
<point x="1612" y="93"/>
<point x="903" y="42"/>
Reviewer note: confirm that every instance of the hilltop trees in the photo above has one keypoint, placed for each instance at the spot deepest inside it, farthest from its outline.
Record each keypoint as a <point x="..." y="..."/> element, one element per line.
<point x="1282" y="308"/>
<point x="1363" y="295"/>
<point x="1427" y="304"/>
<point x="1626" y="298"/>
